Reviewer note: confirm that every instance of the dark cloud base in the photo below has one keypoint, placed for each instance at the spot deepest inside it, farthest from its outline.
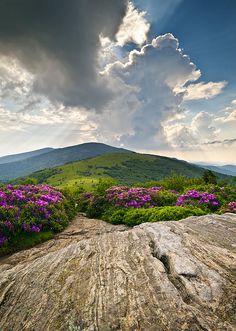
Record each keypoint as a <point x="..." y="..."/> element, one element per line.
<point x="58" y="41"/>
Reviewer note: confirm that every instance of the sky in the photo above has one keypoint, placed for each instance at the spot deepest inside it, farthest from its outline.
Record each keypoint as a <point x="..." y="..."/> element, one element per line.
<point x="152" y="76"/>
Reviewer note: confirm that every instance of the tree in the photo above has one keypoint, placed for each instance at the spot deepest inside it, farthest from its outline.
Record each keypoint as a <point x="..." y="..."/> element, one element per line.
<point x="209" y="177"/>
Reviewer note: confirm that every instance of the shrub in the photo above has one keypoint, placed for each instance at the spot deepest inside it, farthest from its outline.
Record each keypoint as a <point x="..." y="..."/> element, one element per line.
<point x="229" y="208"/>
<point x="28" y="181"/>
<point x="115" y="216"/>
<point x="232" y="207"/>
<point x="166" y="198"/>
<point x="84" y="200"/>
<point x="96" y="207"/>
<point x="32" y="209"/>
<point x="179" y="183"/>
<point x="134" y="197"/>
<point x="103" y="185"/>
<point x="204" y="200"/>
<point x="225" y="194"/>
<point x="209" y="177"/>
<point x="133" y="217"/>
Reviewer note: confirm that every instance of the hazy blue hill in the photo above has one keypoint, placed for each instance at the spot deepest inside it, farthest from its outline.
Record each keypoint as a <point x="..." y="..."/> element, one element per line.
<point x="54" y="158"/>
<point x="228" y="169"/>
<point x="125" y="168"/>
<point x="23" y="156"/>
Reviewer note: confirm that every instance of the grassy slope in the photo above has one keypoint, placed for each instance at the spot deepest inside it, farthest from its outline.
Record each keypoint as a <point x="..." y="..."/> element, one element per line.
<point x="126" y="168"/>
<point x="53" y="158"/>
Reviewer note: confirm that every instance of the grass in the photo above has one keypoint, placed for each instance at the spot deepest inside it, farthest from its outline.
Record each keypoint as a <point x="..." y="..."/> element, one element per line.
<point x="25" y="241"/>
<point x="125" y="168"/>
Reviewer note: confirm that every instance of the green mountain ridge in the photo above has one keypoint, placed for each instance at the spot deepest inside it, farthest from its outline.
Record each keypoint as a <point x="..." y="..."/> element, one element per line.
<point x="52" y="158"/>
<point x="125" y="168"/>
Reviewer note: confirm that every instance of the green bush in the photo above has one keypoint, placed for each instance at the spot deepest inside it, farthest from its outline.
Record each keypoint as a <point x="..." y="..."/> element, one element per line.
<point x="114" y="215"/>
<point x="133" y="217"/>
<point x="103" y="185"/>
<point x="174" y="182"/>
<point x="224" y="194"/>
<point x="166" y="198"/>
<point x="30" y="213"/>
<point x="24" y="241"/>
<point x="84" y="200"/>
<point x="209" y="177"/>
<point x="97" y="207"/>
<point x="69" y="204"/>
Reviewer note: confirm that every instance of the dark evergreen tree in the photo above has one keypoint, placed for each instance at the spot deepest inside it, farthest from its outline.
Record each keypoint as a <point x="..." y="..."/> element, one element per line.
<point x="209" y="177"/>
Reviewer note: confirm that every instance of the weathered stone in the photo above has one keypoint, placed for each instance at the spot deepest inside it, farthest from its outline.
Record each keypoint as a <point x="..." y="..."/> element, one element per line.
<point x="97" y="276"/>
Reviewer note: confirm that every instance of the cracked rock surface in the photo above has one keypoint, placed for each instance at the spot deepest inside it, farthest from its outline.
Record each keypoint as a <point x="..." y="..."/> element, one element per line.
<point x="96" y="276"/>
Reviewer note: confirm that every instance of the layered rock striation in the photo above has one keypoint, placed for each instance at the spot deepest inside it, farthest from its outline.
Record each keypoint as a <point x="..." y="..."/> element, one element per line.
<point x="96" y="276"/>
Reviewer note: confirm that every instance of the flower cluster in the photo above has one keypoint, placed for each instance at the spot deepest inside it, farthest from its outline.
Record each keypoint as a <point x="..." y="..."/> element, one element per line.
<point x="28" y="208"/>
<point x="3" y="239"/>
<point x="137" y="197"/>
<point x="231" y="207"/>
<point x="88" y="196"/>
<point x="194" y="197"/>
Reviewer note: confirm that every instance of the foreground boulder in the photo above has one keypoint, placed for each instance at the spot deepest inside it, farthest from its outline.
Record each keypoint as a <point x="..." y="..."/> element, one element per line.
<point x="97" y="276"/>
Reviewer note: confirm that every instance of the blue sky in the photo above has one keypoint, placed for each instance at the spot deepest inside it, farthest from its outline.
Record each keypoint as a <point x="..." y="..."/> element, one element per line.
<point x="206" y="30"/>
<point x="155" y="76"/>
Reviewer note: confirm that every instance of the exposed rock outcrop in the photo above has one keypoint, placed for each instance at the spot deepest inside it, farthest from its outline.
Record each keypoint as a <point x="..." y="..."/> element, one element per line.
<point x="96" y="276"/>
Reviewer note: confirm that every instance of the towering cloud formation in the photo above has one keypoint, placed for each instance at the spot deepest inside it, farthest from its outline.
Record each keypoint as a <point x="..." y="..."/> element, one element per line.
<point x="58" y="41"/>
<point x="78" y="70"/>
<point x="151" y="76"/>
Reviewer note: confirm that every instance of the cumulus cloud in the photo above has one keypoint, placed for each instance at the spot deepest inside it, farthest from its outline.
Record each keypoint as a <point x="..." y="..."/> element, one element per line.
<point x="50" y="115"/>
<point x="58" y="41"/>
<point x="15" y="82"/>
<point x="203" y="90"/>
<point x="180" y="136"/>
<point x="194" y="135"/>
<point x="151" y="74"/>
<point x="229" y="114"/>
<point x="61" y="74"/>
<point x="203" y="125"/>
<point x="134" y="27"/>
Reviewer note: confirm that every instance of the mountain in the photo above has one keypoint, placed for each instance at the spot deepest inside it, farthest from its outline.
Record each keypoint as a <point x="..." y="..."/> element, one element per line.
<point x="230" y="168"/>
<point x="227" y="169"/>
<point x="52" y="158"/>
<point x="125" y="168"/>
<point x="23" y="156"/>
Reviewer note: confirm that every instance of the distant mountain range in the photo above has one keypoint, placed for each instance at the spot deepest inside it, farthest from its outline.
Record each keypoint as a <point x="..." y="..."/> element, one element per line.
<point x="23" y="156"/>
<point x="97" y="160"/>
<point x="125" y="168"/>
<point x="23" y="164"/>
<point x="227" y="169"/>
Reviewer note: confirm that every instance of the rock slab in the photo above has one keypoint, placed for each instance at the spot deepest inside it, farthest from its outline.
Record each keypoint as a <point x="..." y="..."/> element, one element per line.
<point x="99" y="277"/>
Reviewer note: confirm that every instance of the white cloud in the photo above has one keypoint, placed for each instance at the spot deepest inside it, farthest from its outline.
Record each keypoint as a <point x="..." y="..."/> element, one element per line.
<point x="149" y="77"/>
<point x="203" y="125"/>
<point x="134" y="27"/>
<point x="194" y="135"/>
<point x="179" y="136"/>
<point x="203" y="90"/>
<point x="145" y="113"/>
<point x="15" y="82"/>
<point x="230" y="116"/>
<point x="229" y="113"/>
